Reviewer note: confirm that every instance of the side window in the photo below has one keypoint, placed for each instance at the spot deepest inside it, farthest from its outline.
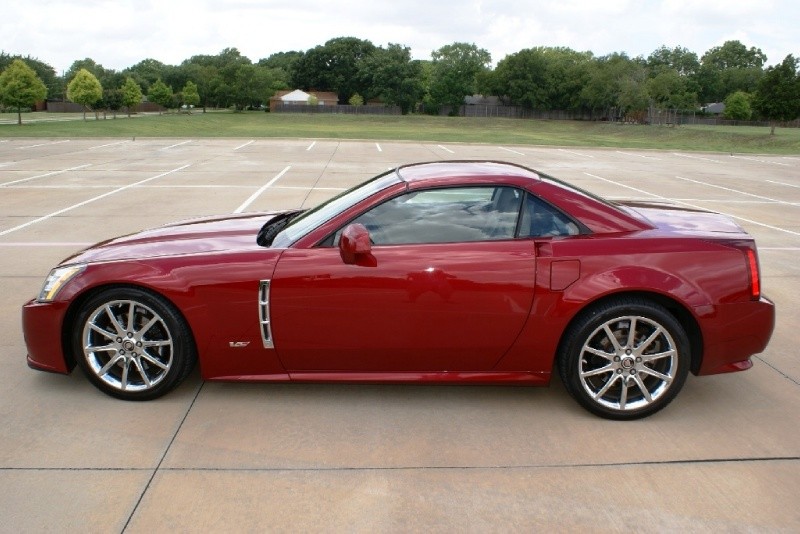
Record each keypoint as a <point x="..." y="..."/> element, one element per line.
<point x="540" y="219"/>
<point x="446" y="215"/>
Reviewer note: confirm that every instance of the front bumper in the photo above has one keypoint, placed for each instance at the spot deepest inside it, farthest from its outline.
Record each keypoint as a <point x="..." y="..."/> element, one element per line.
<point x="42" y="325"/>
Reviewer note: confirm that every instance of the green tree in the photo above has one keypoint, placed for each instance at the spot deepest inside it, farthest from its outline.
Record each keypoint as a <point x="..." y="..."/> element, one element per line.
<point x="738" y="107"/>
<point x="669" y="90"/>
<point x="391" y="75"/>
<point x="131" y="94"/>
<point x="85" y="89"/>
<point x="454" y="75"/>
<point x="20" y="87"/>
<point x="146" y="72"/>
<point x="190" y="96"/>
<point x="680" y="59"/>
<point x="543" y="77"/>
<point x="161" y="94"/>
<point x="777" y="97"/>
<point x="333" y="67"/>
<point x="356" y="100"/>
<point x="616" y="87"/>
<point x="729" y="68"/>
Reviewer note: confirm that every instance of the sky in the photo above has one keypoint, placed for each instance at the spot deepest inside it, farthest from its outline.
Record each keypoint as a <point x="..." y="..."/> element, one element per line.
<point x="119" y="33"/>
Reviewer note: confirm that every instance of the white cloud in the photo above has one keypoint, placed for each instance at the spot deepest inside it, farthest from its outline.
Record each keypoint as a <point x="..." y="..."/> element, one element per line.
<point x="120" y="33"/>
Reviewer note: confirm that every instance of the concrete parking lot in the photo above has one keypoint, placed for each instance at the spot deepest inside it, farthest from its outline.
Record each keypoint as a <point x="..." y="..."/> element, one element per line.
<point x="725" y="456"/>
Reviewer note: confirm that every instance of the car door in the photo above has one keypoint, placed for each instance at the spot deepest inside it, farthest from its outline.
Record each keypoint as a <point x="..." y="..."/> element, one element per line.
<point x="446" y="287"/>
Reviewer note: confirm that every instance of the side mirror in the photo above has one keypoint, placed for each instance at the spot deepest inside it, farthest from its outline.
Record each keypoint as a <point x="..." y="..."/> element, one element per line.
<point x="354" y="242"/>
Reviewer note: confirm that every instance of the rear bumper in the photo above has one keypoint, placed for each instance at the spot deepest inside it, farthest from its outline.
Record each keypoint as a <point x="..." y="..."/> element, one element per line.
<point x="42" y="324"/>
<point x="734" y="333"/>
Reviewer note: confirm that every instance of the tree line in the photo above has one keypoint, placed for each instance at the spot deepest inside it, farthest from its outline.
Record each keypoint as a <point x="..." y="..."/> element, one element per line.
<point x="613" y="86"/>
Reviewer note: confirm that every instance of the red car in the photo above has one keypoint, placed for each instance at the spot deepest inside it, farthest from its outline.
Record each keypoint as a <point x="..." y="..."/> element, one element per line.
<point x="467" y="272"/>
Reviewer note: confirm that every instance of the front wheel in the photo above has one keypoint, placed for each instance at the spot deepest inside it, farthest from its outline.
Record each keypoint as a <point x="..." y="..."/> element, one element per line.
<point x="625" y="359"/>
<point x="132" y="344"/>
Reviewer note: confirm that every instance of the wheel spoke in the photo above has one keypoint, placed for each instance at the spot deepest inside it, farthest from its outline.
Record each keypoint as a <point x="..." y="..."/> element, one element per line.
<point x="101" y="331"/>
<point x="123" y="381"/>
<point x="131" y="317"/>
<point x="643" y="388"/>
<point x="658" y="356"/>
<point x="148" y="326"/>
<point x="103" y="348"/>
<point x="647" y="342"/>
<point x="598" y="352"/>
<point x="154" y="361"/>
<point x="606" y="387"/>
<point x="140" y="370"/>
<point x="111" y="363"/>
<point x="631" y="333"/>
<point x="660" y="376"/>
<point x="612" y="338"/>
<point x="115" y="321"/>
<point x="599" y="371"/>
<point x="163" y="343"/>
<point x="623" y="394"/>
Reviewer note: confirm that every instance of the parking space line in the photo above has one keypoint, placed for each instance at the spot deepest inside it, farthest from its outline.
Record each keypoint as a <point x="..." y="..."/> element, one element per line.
<point x="783" y="183"/>
<point x="109" y="144"/>
<point x="176" y="144"/>
<point x="244" y="145"/>
<point x="89" y="201"/>
<point x="445" y="149"/>
<point x="512" y="151"/>
<point x="575" y="153"/>
<point x="666" y="199"/>
<point x="637" y="155"/>
<point x="54" y="173"/>
<point x="45" y="144"/>
<point x="738" y="192"/>
<point x="261" y="189"/>
<point x="311" y="146"/>
<point x="696" y="157"/>
<point x="378" y="147"/>
<point x="762" y="161"/>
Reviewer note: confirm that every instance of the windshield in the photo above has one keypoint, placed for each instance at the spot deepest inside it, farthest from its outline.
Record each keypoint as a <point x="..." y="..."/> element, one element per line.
<point x="311" y="219"/>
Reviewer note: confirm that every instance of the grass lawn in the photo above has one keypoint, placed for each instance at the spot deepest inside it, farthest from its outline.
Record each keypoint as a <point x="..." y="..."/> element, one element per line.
<point x="409" y="128"/>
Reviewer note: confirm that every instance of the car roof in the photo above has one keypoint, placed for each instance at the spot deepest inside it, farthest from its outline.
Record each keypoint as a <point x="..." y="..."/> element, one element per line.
<point x="437" y="170"/>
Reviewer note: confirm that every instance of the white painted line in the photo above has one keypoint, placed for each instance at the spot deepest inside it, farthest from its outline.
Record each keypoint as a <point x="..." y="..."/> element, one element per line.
<point x="44" y="144"/>
<point x="176" y="144"/>
<point x="263" y="188"/>
<point x="44" y="244"/>
<point x="783" y="183"/>
<point x="693" y="205"/>
<point x="445" y="149"/>
<point x="3" y="140"/>
<point x="7" y="163"/>
<point x="512" y="151"/>
<point x="637" y="155"/>
<point x="45" y="175"/>
<point x="576" y="153"/>
<point x="311" y="146"/>
<point x="762" y="161"/>
<point x="696" y="157"/>
<point x="378" y="147"/>
<point x="93" y="199"/>
<point x="244" y="145"/>
<point x="738" y="192"/>
<point x="109" y="144"/>
<point x="301" y="188"/>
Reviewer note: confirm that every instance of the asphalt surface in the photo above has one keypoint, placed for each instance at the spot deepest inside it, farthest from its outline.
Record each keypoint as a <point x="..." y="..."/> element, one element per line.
<point x="724" y="456"/>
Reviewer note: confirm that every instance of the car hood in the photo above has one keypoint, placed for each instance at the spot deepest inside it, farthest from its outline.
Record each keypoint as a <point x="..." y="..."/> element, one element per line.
<point x="205" y="235"/>
<point x="673" y="218"/>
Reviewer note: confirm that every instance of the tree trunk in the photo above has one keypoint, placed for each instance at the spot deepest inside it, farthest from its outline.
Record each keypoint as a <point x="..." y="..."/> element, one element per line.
<point x="772" y="128"/>
<point x="19" y="116"/>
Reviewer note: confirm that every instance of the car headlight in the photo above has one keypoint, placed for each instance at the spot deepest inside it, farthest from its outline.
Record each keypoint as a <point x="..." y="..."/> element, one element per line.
<point x="57" y="278"/>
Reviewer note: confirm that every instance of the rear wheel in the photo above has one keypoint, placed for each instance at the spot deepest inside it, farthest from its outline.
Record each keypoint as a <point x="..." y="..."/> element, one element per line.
<point x="625" y="359"/>
<point x="132" y="344"/>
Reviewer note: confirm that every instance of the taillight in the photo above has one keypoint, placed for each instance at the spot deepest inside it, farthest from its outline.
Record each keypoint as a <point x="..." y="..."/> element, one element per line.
<point x="752" y="268"/>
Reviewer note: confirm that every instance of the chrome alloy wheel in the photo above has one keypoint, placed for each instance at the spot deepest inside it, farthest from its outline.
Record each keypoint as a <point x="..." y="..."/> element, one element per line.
<point x="628" y="363"/>
<point x="127" y="345"/>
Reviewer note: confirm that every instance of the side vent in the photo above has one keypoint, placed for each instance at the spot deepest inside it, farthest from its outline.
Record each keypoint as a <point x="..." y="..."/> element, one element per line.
<point x="263" y="314"/>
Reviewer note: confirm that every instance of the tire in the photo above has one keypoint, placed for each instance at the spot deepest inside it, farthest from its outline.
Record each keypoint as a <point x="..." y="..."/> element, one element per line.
<point x="621" y="376"/>
<point x="132" y="344"/>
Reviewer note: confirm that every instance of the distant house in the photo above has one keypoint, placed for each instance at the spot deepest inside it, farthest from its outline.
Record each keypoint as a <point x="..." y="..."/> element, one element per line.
<point x="300" y="98"/>
<point x="717" y="108"/>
